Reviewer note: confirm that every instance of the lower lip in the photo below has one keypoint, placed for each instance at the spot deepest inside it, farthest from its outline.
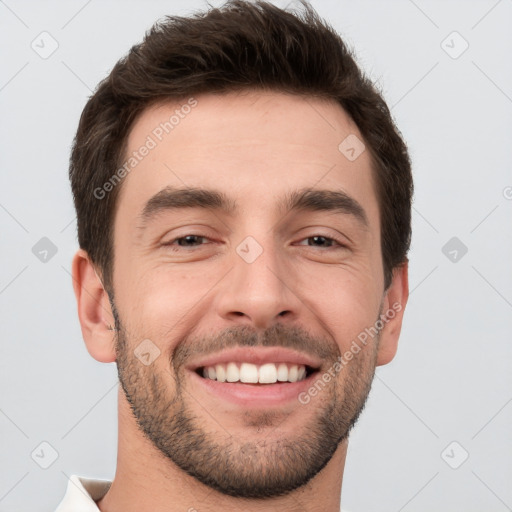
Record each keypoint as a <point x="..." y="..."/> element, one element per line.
<point x="255" y="395"/>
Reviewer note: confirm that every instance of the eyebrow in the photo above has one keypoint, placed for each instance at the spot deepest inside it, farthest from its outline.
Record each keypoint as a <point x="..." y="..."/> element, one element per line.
<point x="305" y="199"/>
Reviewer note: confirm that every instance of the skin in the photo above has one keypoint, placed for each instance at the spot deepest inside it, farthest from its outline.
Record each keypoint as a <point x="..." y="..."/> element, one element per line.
<point x="255" y="147"/>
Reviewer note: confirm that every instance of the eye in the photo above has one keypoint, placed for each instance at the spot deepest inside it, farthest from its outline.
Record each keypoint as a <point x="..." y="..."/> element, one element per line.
<point x="187" y="241"/>
<point x="323" y="241"/>
<point x="192" y="241"/>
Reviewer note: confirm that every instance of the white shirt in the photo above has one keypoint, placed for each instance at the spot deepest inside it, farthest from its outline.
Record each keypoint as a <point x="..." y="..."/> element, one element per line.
<point x="83" y="493"/>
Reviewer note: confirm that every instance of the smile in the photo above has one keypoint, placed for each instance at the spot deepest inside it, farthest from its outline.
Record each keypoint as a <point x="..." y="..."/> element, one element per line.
<point x="248" y="373"/>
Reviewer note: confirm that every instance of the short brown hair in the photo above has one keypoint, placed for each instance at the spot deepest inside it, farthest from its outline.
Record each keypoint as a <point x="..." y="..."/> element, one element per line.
<point x="242" y="45"/>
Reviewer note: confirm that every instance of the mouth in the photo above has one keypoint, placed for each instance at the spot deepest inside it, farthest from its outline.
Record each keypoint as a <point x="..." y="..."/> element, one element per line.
<point x="255" y="386"/>
<point x="248" y="373"/>
<point x="249" y="377"/>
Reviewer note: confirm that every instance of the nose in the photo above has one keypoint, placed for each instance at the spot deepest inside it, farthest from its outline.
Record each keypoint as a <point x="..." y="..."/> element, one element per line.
<point x="258" y="293"/>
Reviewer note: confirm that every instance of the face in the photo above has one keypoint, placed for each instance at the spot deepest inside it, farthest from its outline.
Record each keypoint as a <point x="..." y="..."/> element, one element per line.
<point x="247" y="248"/>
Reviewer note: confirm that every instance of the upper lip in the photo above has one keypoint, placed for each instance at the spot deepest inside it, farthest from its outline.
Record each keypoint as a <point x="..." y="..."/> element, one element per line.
<point x="257" y="356"/>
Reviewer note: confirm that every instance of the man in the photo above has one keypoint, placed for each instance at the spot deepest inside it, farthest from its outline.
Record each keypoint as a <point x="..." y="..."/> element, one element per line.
<point x="243" y="202"/>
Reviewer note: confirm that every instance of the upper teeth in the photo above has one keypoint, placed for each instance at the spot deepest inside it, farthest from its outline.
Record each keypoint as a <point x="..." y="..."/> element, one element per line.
<point x="268" y="373"/>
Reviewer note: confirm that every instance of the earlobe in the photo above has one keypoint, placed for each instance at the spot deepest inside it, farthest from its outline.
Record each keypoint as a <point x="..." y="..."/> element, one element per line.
<point x="94" y="310"/>
<point x="394" y="303"/>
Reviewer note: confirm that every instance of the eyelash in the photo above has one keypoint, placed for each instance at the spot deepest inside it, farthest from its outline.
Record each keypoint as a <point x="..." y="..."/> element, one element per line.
<point x="331" y="239"/>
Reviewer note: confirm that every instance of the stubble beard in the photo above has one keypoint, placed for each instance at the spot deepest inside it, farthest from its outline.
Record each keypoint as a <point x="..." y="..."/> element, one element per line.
<point x="261" y="464"/>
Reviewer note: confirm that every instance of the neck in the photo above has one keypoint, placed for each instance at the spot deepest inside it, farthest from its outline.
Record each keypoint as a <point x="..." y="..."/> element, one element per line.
<point x="146" y="480"/>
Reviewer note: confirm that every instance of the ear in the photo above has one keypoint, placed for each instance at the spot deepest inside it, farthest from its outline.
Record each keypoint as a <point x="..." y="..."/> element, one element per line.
<point x="94" y="311"/>
<point x="395" y="300"/>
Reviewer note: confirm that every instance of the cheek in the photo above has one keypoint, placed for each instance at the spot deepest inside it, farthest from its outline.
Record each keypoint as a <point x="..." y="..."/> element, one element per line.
<point x="345" y="300"/>
<point x="162" y="301"/>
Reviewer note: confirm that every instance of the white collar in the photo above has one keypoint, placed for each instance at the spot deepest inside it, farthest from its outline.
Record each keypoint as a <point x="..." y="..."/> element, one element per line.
<point x="82" y="494"/>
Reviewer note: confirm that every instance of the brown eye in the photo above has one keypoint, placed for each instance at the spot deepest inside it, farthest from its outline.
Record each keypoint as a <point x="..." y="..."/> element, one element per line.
<point x="187" y="241"/>
<point x="322" y="242"/>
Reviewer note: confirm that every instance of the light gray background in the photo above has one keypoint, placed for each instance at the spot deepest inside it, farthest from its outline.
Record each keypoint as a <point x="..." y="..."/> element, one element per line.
<point x="451" y="380"/>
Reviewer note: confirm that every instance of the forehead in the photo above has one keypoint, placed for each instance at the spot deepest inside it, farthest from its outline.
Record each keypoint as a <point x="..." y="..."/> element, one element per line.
<point x="255" y="146"/>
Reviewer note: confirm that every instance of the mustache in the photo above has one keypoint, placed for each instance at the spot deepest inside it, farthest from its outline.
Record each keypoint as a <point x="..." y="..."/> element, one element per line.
<point x="278" y="335"/>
